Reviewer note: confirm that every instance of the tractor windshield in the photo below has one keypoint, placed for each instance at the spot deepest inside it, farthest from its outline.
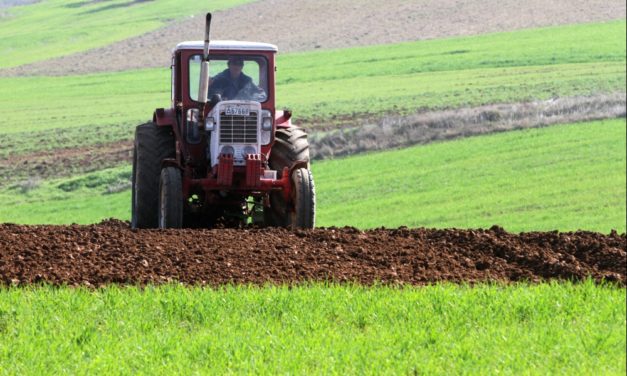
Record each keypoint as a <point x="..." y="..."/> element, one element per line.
<point x="233" y="77"/>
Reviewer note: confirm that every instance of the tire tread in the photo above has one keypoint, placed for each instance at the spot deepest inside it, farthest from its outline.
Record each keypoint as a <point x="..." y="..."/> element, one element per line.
<point x="153" y="144"/>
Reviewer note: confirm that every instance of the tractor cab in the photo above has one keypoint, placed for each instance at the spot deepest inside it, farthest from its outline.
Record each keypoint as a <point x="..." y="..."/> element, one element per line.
<point x="240" y="92"/>
<point x="254" y="60"/>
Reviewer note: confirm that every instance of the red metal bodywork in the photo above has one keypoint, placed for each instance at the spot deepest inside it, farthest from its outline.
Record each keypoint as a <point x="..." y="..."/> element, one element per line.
<point x="282" y="119"/>
<point x="247" y="180"/>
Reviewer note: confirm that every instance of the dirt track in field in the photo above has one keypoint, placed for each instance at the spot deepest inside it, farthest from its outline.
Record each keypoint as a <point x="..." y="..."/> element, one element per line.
<point x="306" y="25"/>
<point x="112" y="253"/>
<point x="41" y="165"/>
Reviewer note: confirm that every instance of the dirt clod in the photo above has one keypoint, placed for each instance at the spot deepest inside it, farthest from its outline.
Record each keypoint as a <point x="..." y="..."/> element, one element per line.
<point x="110" y="252"/>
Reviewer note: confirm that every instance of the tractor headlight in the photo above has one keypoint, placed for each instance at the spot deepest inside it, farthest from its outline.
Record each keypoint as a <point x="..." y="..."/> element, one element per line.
<point x="210" y="123"/>
<point x="266" y="123"/>
<point x="228" y="149"/>
<point x="266" y="127"/>
<point x="249" y="149"/>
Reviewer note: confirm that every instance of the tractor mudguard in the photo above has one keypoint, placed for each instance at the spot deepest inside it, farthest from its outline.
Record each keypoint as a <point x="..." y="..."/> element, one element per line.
<point x="282" y="119"/>
<point x="298" y="164"/>
<point x="170" y="162"/>
<point x="287" y="191"/>
<point x="164" y="117"/>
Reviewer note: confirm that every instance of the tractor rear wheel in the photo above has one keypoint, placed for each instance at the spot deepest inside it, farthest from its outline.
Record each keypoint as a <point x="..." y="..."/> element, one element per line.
<point x="290" y="146"/>
<point x="170" y="198"/>
<point x="152" y="145"/>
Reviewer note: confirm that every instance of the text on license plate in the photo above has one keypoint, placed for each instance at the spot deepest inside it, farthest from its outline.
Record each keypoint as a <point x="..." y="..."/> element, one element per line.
<point x="237" y="110"/>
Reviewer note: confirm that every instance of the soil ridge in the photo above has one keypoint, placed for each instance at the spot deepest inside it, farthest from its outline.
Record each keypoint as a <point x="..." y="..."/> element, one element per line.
<point x="110" y="252"/>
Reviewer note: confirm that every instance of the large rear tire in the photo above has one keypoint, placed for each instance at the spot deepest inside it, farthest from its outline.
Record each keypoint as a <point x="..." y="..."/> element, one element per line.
<point x="170" y="198"/>
<point x="290" y="146"/>
<point x="153" y="144"/>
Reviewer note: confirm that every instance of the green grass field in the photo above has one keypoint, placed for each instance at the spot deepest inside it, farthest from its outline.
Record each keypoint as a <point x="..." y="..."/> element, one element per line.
<point x="78" y="101"/>
<point x="55" y="28"/>
<point x="80" y="199"/>
<point x="565" y="177"/>
<point x="314" y="329"/>
<point x="523" y="65"/>
<point x="570" y="44"/>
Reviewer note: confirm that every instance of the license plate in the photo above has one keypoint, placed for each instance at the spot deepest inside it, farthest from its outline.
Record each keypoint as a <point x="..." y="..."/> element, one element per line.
<point x="237" y="111"/>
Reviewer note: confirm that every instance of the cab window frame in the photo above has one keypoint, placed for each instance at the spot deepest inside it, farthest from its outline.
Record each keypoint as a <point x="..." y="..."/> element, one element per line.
<point x="262" y="74"/>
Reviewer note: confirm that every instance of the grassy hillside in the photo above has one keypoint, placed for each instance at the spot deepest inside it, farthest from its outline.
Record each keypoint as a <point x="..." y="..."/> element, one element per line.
<point x="53" y="28"/>
<point x="504" y="67"/>
<point x="449" y="89"/>
<point x="75" y="101"/>
<point x="52" y="112"/>
<point x="447" y="73"/>
<point x="579" y="43"/>
<point x="444" y="329"/>
<point x="564" y="177"/>
<point x="81" y="199"/>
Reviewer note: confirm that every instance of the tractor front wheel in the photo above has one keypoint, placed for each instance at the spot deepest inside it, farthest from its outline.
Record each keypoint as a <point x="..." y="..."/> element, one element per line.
<point x="291" y="146"/>
<point x="303" y="210"/>
<point x="170" y="198"/>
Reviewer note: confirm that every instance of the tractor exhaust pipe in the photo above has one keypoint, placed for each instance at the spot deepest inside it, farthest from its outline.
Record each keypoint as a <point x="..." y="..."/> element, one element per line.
<point x="203" y="86"/>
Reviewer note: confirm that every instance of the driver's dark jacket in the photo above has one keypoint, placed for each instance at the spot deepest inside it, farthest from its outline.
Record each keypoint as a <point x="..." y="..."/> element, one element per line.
<point x="227" y="87"/>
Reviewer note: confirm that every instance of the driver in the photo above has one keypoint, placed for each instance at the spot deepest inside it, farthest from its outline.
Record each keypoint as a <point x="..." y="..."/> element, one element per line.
<point x="232" y="80"/>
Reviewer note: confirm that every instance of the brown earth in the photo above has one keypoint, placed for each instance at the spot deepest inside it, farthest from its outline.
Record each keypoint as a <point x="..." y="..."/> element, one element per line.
<point x="325" y="24"/>
<point x="110" y="252"/>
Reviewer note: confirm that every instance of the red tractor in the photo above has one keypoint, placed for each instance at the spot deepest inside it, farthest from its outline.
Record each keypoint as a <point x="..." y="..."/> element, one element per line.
<point x="222" y="151"/>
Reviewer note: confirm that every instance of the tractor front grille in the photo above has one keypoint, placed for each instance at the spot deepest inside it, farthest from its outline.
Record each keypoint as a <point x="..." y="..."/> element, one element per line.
<point x="238" y="129"/>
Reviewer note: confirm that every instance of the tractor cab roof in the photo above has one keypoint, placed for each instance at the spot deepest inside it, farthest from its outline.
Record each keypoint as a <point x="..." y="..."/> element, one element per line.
<point x="227" y="45"/>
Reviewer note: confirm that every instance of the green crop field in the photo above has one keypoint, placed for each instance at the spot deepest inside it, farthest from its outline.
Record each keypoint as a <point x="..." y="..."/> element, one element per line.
<point x="81" y="199"/>
<point x="55" y="28"/>
<point x="539" y="64"/>
<point x="580" y="43"/>
<point x="74" y="101"/>
<point x="566" y="177"/>
<point x="445" y="73"/>
<point x="314" y="329"/>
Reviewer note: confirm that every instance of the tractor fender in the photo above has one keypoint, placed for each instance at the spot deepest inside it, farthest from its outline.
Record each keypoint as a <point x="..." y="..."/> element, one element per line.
<point x="287" y="174"/>
<point x="170" y="162"/>
<point x="164" y="117"/>
<point x="282" y="118"/>
<point x="297" y="164"/>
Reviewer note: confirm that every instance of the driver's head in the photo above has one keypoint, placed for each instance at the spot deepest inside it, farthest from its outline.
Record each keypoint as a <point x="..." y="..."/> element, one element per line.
<point x="235" y="64"/>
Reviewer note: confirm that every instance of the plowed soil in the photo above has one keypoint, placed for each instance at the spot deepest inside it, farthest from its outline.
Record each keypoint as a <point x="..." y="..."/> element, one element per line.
<point x="110" y="252"/>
